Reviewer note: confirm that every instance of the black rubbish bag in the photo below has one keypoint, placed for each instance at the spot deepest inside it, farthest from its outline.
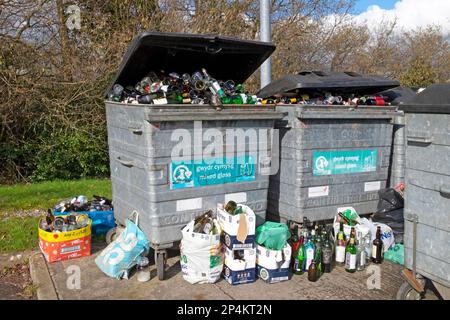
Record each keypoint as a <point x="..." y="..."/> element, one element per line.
<point x="390" y="212"/>
<point x="390" y="200"/>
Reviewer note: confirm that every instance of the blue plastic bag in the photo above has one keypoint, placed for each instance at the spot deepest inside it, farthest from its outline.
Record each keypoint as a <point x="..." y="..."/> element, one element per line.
<point x="122" y="254"/>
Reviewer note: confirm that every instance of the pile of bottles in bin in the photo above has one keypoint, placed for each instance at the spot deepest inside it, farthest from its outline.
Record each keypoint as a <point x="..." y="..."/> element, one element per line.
<point x="58" y="224"/>
<point x="315" y="251"/>
<point x="81" y="203"/>
<point x="196" y="88"/>
<point x="329" y="99"/>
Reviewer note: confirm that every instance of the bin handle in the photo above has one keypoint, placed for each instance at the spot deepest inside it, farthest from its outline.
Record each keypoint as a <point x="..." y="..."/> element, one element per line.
<point x="419" y="137"/>
<point x="445" y="190"/>
<point x="128" y="164"/>
<point x="136" y="131"/>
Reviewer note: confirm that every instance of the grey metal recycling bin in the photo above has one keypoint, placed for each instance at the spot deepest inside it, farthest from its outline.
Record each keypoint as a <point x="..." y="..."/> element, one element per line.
<point x="331" y="156"/>
<point x="146" y="178"/>
<point x="427" y="193"/>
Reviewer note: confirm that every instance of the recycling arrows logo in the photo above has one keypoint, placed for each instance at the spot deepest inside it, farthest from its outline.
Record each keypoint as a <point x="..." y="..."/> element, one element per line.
<point x="182" y="174"/>
<point x="321" y="163"/>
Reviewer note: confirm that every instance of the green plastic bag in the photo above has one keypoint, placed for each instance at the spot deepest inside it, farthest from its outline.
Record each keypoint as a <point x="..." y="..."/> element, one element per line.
<point x="272" y="235"/>
<point x="396" y="254"/>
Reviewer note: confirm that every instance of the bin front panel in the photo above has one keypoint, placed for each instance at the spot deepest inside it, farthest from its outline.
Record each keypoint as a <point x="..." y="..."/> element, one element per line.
<point x="142" y="168"/>
<point x="427" y="194"/>
<point x="355" y="158"/>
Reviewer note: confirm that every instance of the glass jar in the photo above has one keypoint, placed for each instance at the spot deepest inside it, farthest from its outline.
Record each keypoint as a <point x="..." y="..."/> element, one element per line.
<point x="143" y="270"/>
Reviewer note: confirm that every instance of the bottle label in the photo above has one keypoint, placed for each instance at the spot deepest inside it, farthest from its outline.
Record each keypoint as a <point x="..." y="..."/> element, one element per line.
<point x="362" y="259"/>
<point x="327" y="255"/>
<point x="309" y="257"/>
<point x="296" y="265"/>
<point x="340" y="254"/>
<point x="350" y="261"/>
<point x="374" y="251"/>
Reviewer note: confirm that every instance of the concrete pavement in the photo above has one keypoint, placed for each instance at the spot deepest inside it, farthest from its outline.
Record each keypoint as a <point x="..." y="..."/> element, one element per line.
<point x="56" y="283"/>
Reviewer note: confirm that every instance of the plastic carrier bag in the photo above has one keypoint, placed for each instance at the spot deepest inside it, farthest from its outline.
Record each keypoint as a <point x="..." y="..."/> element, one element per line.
<point x="201" y="255"/>
<point x="272" y="235"/>
<point x="122" y="254"/>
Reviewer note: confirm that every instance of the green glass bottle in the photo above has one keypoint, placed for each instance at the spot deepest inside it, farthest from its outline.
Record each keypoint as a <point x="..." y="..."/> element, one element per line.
<point x="299" y="260"/>
<point x="318" y="257"/>
<point x="350" y="255"/>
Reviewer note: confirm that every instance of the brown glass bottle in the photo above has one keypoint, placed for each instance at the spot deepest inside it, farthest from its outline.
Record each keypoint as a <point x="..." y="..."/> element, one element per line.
<point x="312" y="271"/>
<point x="377" y="248"/>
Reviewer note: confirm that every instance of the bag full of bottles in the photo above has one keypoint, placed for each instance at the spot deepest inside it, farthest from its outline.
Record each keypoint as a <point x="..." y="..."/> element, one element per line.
<point x="65" y="237"/>
<point x="198" y="88"/>
<point x="238" y="223"/>
<point x="201" y="255"/>
<point x="273" y="265"/>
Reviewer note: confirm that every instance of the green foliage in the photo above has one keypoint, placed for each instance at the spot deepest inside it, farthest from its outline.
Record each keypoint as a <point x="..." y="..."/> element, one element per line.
<point x="72" y="155"/>
<point x="419" y="74"/>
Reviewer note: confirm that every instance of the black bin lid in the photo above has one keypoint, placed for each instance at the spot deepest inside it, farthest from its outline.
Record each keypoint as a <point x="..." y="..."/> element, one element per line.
<point x="225" y="58"/>
<point x="434" y="99"/>
<point x="399" y="95"/>
<point x="343" y="82"/>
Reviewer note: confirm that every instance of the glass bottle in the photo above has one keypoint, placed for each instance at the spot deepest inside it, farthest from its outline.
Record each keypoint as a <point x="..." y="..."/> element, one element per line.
<point x="361" y="253"/>
<point x="327" y="254"/>
<point x="312" y="272"/>
<point x="350" y="255"/>
<point x="340" y="246"/>
<point x="212" y="84"/>
<point x="309" y="253"/>
<point x="300" y="257"/>
<point x="377" y="248"/>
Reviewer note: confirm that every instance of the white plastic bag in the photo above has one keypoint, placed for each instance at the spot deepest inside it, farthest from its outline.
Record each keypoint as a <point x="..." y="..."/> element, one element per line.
<point x="201" y="256"/>
<point x="387" y="235"/>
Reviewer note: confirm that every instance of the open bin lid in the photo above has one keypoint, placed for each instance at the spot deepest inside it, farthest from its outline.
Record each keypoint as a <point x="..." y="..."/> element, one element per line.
<point x="343" y="82"/>
<point x="434" y="99"/>
<point x="224" y="58"/>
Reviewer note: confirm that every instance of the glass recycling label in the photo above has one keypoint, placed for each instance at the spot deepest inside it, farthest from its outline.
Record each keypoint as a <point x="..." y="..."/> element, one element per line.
<point x="191" y="174"/>
<point x="326" y="163"/>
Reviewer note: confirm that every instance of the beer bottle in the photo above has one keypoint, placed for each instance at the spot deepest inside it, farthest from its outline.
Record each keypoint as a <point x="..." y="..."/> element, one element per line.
<point x="312" y="271"/>
<point x="327" y="254"/>
<point x="377" y="248"/>
<point x="299" y="259"/>
<point x="350" y="255"/>
<point x="49" y="218"/>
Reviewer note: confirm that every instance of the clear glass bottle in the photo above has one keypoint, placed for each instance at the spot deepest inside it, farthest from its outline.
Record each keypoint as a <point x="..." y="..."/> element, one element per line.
<point x="361" y="258"/>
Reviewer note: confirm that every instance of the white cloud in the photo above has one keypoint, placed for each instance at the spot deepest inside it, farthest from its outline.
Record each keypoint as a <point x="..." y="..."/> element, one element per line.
<point x="411" y="14"/>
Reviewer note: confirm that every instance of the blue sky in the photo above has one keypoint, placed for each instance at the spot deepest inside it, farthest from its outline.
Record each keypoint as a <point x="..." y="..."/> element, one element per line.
<point x="362" y="5"/>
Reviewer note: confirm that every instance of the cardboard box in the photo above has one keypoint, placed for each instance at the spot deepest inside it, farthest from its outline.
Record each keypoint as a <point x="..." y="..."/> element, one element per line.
<point x="230" y="227"/>
<point x="238" y="271"/>
<point x="273" y="265"/>
<point x="65" y="245"/>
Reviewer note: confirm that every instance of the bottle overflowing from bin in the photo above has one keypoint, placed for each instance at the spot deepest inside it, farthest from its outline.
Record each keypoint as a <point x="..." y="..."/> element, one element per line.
<point x="326" y="98"/>
<point x="174" y="88"/>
